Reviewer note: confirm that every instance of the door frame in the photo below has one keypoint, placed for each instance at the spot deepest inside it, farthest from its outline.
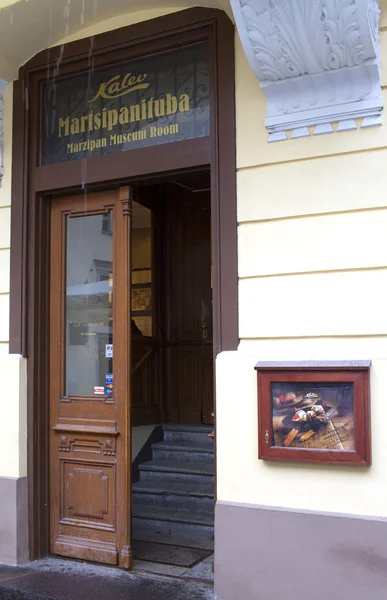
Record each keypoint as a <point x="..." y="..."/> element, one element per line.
<point x="89" y="433"/>
<point x="34" y="187"/>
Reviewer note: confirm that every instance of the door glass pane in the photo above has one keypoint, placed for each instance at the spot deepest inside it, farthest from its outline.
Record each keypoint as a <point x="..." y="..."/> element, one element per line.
<point x="89" y="308"/>
<point x="142" y="296"/>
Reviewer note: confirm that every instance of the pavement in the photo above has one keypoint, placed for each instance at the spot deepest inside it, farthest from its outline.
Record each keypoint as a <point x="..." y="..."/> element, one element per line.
<point x="57" y="579"/>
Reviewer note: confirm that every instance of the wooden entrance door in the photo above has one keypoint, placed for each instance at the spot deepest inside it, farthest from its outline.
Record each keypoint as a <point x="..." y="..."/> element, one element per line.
<point x="189" y="343"/>
<point x="89" y="377"/>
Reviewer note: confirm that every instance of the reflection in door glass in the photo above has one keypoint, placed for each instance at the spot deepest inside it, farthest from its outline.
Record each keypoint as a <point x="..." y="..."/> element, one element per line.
<point x="141" y="271"/>
<point x="89" y="308"/>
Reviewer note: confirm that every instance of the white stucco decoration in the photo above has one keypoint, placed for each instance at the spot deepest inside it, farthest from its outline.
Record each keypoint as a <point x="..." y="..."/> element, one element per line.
<point x="317" y="62"/>
<point x="3" y="85"/>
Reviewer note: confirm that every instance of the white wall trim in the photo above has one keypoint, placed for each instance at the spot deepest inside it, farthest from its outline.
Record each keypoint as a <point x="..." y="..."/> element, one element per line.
<point x="317" y="62"/>
<point x="3" y="85"/>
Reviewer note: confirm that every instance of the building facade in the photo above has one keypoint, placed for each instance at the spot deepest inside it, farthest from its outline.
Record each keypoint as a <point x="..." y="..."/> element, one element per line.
<point x="293" y="161"/>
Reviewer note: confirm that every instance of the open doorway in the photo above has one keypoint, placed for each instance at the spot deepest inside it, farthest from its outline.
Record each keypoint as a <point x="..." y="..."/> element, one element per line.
<point x="172" y="376"/>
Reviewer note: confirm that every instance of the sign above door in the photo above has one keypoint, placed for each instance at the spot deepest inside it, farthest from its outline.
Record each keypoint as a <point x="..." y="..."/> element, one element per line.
<point x="159" y="99"/>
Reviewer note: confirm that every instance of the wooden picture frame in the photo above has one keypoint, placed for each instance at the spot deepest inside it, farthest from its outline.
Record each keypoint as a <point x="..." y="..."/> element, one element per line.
<point x="315" y="412"/>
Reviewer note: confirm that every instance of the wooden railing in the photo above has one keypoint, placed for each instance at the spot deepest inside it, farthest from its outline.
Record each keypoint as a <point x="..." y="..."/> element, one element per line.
<point x="148" y="352"/>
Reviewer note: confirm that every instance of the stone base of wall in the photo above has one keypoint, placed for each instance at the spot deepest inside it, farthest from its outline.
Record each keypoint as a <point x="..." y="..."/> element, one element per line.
<point x="264" y="553"/>
<point x="13" y="520"/>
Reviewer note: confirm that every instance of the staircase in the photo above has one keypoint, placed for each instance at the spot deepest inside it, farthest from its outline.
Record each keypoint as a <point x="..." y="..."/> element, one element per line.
<point x="173" y="501"/>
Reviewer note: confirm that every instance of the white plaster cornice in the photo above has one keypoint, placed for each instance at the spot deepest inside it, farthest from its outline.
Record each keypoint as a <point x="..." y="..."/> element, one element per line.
<point x="317" y="62"/>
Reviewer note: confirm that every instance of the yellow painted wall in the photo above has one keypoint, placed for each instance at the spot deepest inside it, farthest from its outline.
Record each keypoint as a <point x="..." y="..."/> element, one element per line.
<point x="312" y="216"/>
<point x="327" y="188"/>
<point x="12" y="368"/>
<point x="121" y="21"/>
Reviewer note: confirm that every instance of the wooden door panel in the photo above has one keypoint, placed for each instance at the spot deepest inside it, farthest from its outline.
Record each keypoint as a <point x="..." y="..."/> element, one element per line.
<point x="189" y="384"/>
<point x="94" y="508"/>
<point x="145" y="376"/>
<point x="89" y="444"/>
<point x="145" y="388"/>
<point x="171" y="383"/>
<point x="208" y="387"/>
<point x="189" y="330"/>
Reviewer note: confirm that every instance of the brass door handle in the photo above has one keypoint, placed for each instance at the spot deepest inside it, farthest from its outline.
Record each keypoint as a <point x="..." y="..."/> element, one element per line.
<point x="204" y="330"/>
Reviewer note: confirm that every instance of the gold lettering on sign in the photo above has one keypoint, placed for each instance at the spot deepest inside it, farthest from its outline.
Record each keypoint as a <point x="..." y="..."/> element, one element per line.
<point x="123" y="138"/>
<point x="110" y="118"/>
<point x="88" y="146"/>
<point x="116" y="86"/>
<point x="166" y="130"/>
<point x="117" y="139"/>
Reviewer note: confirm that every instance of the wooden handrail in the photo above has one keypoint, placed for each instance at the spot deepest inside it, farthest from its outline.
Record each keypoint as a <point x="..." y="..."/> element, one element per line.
<point x="142" y="360"/>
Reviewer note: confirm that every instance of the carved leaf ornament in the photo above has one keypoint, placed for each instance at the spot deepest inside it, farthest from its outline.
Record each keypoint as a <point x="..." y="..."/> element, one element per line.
<point x="327" y="37"/>
<point x="287" y="41"/>
<point x="373" y="16"/>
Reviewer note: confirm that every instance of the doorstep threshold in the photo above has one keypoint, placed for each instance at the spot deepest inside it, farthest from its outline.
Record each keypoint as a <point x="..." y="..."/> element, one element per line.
<point x="61" y="579"/>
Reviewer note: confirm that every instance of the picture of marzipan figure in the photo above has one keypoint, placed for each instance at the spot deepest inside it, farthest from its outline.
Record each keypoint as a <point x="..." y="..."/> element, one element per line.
<point x="313" y="416"/>
<point x="142" y="299"/>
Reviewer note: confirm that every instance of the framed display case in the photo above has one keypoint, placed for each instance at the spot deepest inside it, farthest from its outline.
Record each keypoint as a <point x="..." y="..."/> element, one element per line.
<point x="315" y="412"/>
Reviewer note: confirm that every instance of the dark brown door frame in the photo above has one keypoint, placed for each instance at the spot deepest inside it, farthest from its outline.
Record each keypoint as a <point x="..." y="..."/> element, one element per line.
<point x="33" y="187"/>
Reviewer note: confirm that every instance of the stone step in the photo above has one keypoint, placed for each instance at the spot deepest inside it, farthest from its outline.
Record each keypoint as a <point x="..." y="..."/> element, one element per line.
<point x="178" y="487"/>
<point x="172" y="540"/>
<point x="187" y="427"/>
<point x="169" y="521"/>
<point x="177" y="494"/>
<point x="190" y="473"/>
<point x="170" y="514"/>
<point x="178" y="432"/>
<point x="183" y="451"/>
<point x="172" y="501"/>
